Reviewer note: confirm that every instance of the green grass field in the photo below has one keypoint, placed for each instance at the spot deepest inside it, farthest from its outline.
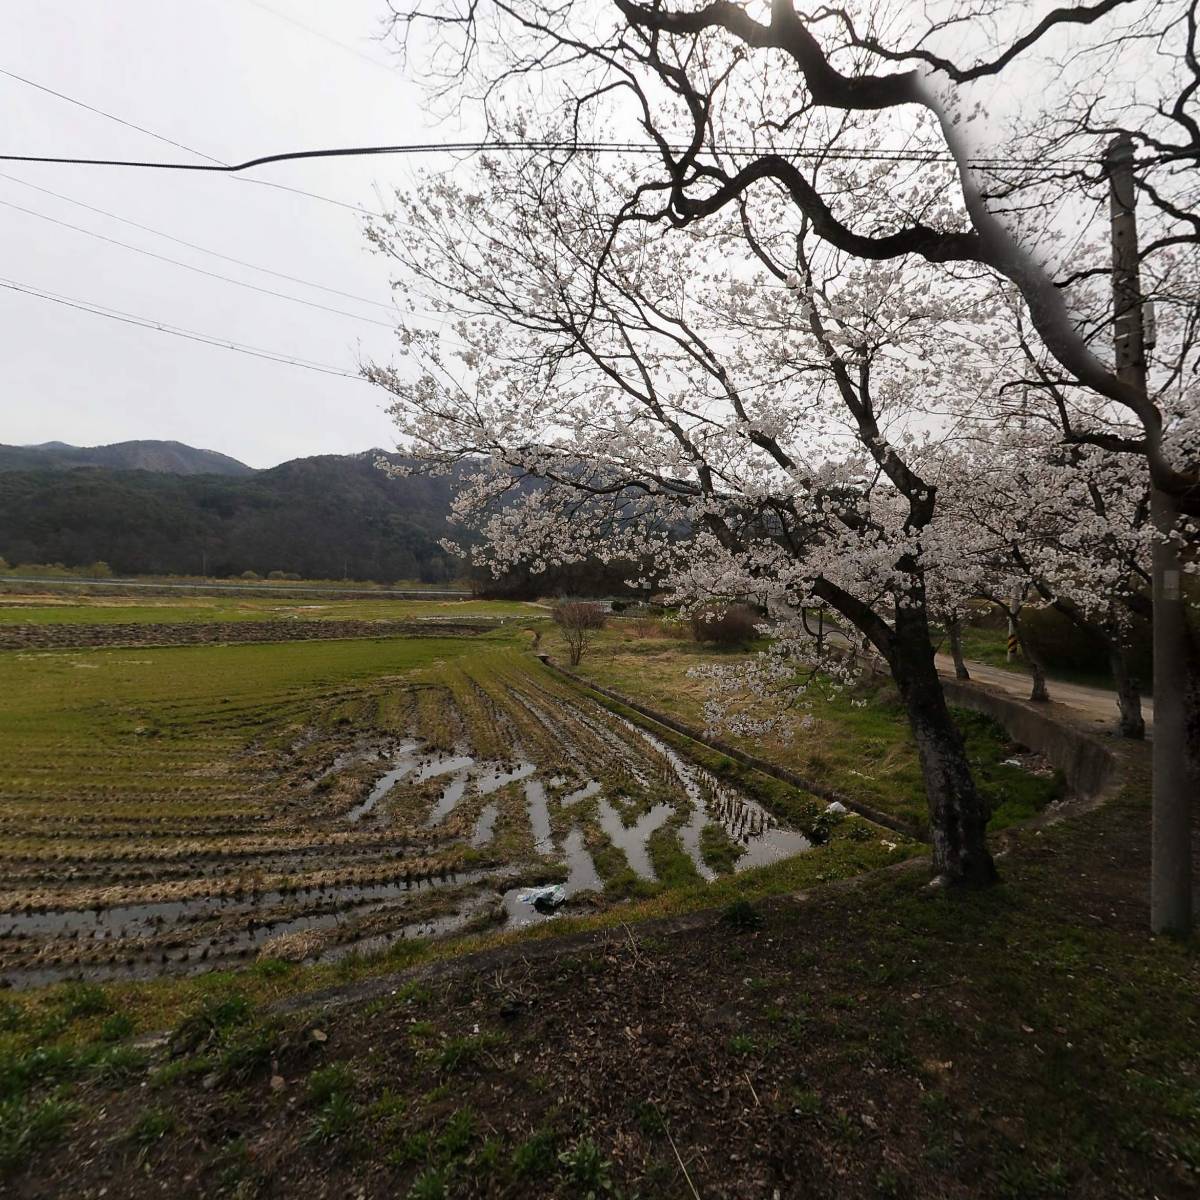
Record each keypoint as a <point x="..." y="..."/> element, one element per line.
<point x="85" y="610"/>
<point x="102" y="733"/>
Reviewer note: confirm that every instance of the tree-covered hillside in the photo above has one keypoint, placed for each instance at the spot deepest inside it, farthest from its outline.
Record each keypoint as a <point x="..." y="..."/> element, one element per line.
<point x="323" y="517"/>
<point x="146" y="455"/>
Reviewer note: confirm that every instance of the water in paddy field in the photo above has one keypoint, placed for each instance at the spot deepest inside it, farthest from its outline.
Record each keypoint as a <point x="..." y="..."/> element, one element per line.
<point x="610" y="782"/>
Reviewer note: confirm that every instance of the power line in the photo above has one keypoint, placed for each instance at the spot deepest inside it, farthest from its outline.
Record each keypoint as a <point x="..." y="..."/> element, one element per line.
<point x="283" y="187"/>
<point x="193" y="246"/>
<point x="158" y="137"/>
<point x="125" y="318"/>
<point x="199" y="270"/>
<point x="830" y="154"/>
<point x="325" y="37"/>
<point x="214" y="165"/>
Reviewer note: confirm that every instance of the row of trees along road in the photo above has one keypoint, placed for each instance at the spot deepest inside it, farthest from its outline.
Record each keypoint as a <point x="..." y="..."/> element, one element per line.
<point x="846" y="323"/>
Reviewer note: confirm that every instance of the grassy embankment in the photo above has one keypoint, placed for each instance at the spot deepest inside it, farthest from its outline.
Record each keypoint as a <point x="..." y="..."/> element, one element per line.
<point x="857" y="742"/>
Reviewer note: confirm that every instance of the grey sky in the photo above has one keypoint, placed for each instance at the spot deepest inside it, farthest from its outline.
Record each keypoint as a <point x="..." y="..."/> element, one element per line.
<point x="232" y="80"/>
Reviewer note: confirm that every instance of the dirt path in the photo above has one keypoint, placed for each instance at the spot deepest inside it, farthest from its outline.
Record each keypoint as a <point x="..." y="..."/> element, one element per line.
<point x="1094" y="706"/>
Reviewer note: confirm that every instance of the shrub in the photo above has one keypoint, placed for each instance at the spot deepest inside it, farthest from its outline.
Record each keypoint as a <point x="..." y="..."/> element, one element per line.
<point x="329" y="1081"/>
<point x="251" y="575"/>
<point x="84" y="1000"/>
<point x="583" y="614"/>
<point x="734" y="626"/>
<point x="587" y="1168"/>
<point x="578" y="619"/>
<point x="648" y="627"/>
<point x="741" y="914"/>
<point x="276" y="575"/>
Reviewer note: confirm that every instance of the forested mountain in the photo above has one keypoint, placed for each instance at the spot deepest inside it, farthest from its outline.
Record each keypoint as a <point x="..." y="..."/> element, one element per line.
<point x="174" y="458"/>
<point x="325" y="517"/>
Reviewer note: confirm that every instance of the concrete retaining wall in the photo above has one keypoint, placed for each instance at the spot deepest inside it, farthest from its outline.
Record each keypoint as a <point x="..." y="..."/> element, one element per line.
<point x="1089" y="766"/>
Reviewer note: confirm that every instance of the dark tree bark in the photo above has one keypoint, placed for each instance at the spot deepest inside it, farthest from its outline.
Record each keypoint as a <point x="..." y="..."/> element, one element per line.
<point x="1130" y="723"/>
<point x="1038" y="693"/>
<point x="954" y="632"/>
<point x="958" y="815"/>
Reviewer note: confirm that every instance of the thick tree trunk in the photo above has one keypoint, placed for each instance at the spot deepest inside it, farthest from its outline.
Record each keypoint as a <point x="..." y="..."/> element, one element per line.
<point x="954" y="631"/>
<point x="957" y="813"/>
<point x="1038" y="692"/>
<point x="1130" y="722"/>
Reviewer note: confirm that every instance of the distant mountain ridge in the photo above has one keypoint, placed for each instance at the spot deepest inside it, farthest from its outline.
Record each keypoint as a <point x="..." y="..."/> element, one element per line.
<point x="330" y="516"/>
<point x="326" y="517"/>
<point x="169" y="458"/>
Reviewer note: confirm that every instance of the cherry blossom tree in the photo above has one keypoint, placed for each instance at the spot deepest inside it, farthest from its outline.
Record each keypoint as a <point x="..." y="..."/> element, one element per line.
<point x="770" y="426"/>
<point x="1065" y="526"/>
<point x="740" y="99"/>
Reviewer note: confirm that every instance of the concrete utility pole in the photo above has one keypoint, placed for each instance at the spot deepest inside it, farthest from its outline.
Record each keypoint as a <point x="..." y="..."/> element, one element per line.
<point x="1171" y="844"/>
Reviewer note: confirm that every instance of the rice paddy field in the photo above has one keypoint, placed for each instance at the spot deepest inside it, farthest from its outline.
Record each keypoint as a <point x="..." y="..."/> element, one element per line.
<point x="174" y="811"/>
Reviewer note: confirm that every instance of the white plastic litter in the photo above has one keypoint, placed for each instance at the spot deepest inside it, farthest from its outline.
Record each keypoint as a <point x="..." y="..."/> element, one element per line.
<point x="545" y="899"/>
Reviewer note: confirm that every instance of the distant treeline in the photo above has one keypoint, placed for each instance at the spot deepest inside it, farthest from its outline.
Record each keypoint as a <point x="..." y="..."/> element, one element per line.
<point x="328" y="517"/>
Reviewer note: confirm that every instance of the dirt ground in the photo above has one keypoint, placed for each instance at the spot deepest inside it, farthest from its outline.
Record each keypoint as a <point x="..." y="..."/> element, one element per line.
<point x="54" y="637"/>
<point x="876" y="1039"/>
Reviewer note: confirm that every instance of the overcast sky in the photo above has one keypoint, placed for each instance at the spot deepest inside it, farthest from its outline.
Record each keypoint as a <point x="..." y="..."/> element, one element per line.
<point x="233" y="80"/>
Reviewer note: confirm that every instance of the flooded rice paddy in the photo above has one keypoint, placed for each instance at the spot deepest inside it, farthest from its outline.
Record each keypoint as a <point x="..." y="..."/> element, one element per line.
<point x="411" y="810"/>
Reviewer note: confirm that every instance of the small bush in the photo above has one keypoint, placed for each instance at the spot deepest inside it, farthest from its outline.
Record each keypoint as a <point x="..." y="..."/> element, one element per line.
<point x="326" y="1082"/>
<point x="534" y="1158"/>
<point x="741" y="914"/>
<point x="26" y="1128"/>
<point x="251" y="575"/>
<point x="336" y="1121"/>
<point x="582" y="614"/>
<point x="117" y="1028"/>
<point x="733" y="626"/>
<point x="215" y="1016"/>
<point x="152" y="1126"/>
<point x="429" y="1185"/>
<point x="460" y="1053"/>
<point x="587" y="1168"/>
<point x="649" y="627"/>
<point x="578" y="620"/>
<point x="84" y="1000"/>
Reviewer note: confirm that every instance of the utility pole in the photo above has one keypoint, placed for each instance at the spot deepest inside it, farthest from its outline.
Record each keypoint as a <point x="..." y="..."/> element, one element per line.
<point x="1171" y="837"/>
